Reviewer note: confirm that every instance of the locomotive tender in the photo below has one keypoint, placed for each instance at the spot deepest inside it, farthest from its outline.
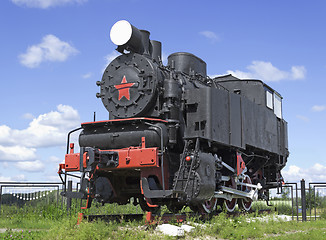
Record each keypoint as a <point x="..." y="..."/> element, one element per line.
<point x="175" y="136"/>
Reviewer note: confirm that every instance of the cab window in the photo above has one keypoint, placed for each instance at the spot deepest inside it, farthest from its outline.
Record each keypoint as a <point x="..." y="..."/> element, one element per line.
<point x="277" y="105"/>
<point x="274" y="102"/>
<point x="269" y="99"/>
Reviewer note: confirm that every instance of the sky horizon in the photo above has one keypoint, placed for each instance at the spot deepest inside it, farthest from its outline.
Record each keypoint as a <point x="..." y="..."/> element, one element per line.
<point x="54" y="51"/>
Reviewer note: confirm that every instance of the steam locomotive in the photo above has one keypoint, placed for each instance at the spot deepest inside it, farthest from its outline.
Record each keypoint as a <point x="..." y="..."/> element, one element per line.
<point x="175" y="136"/>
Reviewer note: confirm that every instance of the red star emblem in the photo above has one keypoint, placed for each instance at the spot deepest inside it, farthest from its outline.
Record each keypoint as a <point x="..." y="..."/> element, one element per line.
<point x="124" y="88"/>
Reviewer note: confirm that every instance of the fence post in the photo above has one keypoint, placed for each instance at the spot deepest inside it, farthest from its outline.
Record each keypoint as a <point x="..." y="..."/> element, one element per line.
<point x="314" y="203"/>
<point x="0" y="198"/>
<point x="292" y="202"/>
<point x="303" y="200"/>
<point x="68" y="197"/>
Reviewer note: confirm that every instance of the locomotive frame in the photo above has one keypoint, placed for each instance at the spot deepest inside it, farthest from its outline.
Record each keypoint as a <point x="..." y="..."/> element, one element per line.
<point x="176" y="137"/>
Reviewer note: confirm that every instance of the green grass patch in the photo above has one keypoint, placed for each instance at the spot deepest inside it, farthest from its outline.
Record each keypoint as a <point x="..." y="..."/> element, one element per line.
<point x="222" y="227"/>
<point x="53" y="222"/>
<point x="67" y="229"/>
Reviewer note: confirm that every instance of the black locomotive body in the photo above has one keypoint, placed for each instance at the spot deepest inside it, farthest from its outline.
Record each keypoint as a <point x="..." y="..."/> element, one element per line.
<point x="175" y="136"/>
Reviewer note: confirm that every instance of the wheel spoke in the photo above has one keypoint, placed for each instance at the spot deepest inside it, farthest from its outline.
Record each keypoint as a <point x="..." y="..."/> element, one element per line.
<point x="205" y="207"/>
<point x="230" y="205"/>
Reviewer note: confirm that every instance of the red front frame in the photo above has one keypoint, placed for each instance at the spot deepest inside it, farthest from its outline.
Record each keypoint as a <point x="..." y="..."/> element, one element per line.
<point x="132" y="157"/>
<point x="145" y="160"/>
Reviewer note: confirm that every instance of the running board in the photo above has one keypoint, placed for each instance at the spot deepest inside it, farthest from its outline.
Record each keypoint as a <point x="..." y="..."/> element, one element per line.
<point x="226" y="192"/>
<point x="148" y="193"/>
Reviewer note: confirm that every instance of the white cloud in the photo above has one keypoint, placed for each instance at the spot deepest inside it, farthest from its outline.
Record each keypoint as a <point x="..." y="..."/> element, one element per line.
<point x="109" y="58"/>
<point x="318" y="108"/>
<point x="31" y="166"/>
<point x="87" y="75"/>
<point x="53" y="178"/>
<point x="17" y="153"/>
<point x="55" y="159"/>
<point x="45" y="3"/>
<point x="46" y="130"/>
<point x="20" y="177"/>
<point x="210" y="35"/>
<point x="28" y="116"/>
<point x="215" y="75"/>
<point x="5" y="179"/>
<point x="303" y="118"/>
<point x="164" y="58"/>
<point x="51" y="49"/>
<point x="315" y="173"/>
<point x="298" y="72"/>
<point x="267" y="72"/>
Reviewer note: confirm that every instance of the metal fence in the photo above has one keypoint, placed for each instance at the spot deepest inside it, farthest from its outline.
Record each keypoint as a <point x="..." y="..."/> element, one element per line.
<point x="96" y="207"/>
<point x="305" y="202"/>
<point x="22" y="196"/>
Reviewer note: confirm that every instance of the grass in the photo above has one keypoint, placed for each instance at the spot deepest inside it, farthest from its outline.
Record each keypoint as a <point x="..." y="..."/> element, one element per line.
<point x="222" y="227"/>
<point x="52" y="222"/>
<point x="68" y="229"/>
<point x="219" y="227"/>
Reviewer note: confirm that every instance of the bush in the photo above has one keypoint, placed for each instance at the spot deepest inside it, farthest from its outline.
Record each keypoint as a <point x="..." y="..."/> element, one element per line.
<point x="323" y="214"/>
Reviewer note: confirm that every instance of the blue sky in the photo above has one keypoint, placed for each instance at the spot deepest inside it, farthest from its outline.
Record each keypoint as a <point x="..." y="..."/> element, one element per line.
<point x="53" y="51"/>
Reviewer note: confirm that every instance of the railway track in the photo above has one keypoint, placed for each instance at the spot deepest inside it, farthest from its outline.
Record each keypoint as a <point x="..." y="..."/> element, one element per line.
<point x="151" y="218"/>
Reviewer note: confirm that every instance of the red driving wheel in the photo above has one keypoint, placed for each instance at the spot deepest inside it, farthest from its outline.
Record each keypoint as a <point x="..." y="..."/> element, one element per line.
<point x="230" y="204"/>
<point x="245" y="203"/>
